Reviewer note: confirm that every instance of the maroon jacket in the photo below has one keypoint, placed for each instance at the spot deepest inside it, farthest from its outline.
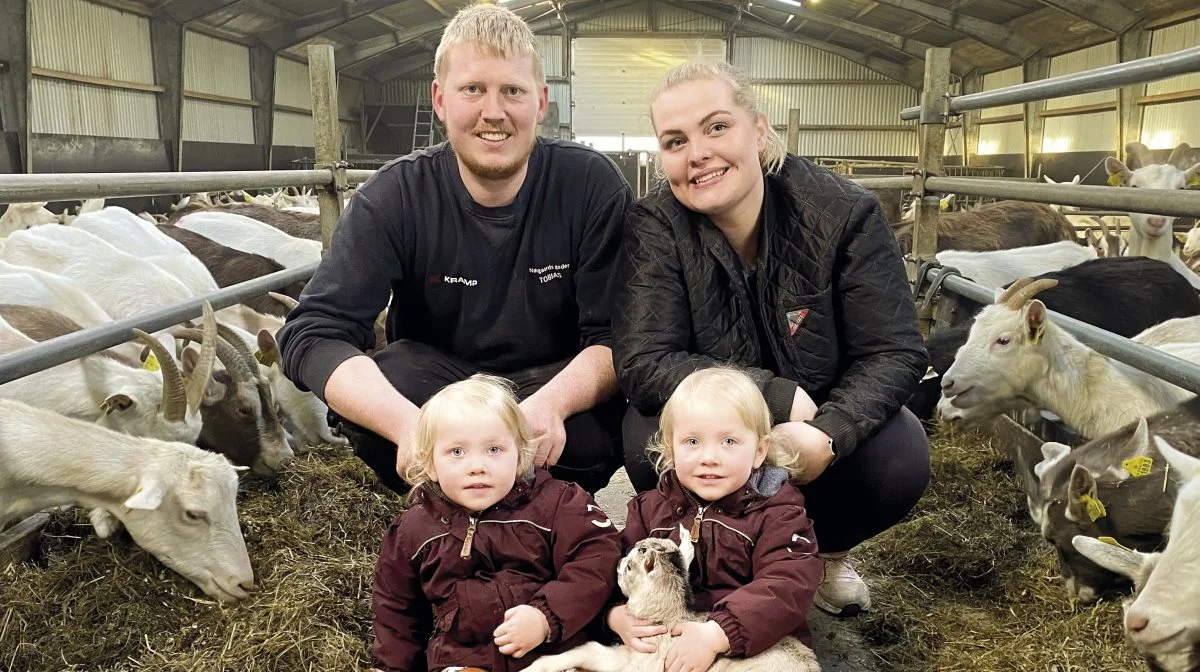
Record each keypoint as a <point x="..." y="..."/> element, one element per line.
<point x="546" y="544"/>
<point x="756" y="566"/>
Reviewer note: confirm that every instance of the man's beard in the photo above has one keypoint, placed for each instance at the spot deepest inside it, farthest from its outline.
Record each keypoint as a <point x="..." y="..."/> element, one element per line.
<point x="494" y="171"/>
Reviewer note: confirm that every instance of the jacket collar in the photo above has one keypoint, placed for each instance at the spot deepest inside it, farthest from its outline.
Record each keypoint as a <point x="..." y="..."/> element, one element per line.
<point x="430" y="494"/>
<point x="764" y="482"/>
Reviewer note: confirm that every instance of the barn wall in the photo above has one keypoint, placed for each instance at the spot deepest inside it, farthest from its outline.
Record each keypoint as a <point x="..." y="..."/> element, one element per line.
<point x="1094" y="131"/>
<point x="1168" y="124"/>
<point x="219" y="68"/>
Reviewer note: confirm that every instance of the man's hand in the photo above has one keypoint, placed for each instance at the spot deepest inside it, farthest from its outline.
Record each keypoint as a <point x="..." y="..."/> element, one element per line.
<point x="545" y="422"/>
<point x="811" y="445"/>
<point x="632" y="630"/>
<point x="523" y="630"/>
<point x="401" y="432"/>
<point x="803" y="407"/>
<point x="698" y="646"/>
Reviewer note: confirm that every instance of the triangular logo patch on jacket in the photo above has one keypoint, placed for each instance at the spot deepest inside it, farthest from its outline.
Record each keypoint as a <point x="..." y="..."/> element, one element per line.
<point x="795" y="318"/>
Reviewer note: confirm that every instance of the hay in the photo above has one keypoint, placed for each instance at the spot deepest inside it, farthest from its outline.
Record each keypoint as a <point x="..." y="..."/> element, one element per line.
<point x="313" y="539"/>
<point x="967" y="582"/>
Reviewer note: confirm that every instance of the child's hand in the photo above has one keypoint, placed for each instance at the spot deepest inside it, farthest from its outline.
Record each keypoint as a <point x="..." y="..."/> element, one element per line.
<point x="631" y="630"/>
<point x="697" y="646"/>
<point x="524" y="629"/>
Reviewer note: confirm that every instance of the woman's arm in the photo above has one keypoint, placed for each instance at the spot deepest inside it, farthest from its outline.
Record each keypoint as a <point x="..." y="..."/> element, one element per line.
<point x="878" y="335"/>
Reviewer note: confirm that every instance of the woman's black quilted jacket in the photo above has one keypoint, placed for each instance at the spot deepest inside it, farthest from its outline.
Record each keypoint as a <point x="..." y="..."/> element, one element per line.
<point x="832" y="288"/>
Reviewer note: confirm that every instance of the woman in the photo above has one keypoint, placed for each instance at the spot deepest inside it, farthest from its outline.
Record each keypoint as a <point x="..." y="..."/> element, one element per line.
<point x="748" y="255"/>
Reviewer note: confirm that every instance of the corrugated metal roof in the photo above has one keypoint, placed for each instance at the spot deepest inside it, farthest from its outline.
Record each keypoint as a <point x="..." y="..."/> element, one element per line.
<point x="627" y="19"/>
<point x="668" y="18"/>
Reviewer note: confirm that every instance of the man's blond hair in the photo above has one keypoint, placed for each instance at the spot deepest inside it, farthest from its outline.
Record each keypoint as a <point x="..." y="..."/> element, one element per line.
<point x="494" y="30"/>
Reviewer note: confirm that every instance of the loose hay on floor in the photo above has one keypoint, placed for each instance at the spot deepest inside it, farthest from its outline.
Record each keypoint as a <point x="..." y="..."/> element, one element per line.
<point x="313" y="538"/>
<point x="967" y="583"/>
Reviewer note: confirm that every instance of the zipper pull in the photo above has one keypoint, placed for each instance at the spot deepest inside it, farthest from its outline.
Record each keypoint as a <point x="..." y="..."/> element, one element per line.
<point x="470" y="536"/>
<point x="696" y="523"/>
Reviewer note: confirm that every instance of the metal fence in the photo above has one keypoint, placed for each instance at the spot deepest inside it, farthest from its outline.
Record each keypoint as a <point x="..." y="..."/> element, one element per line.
<point x="929" y="180"/>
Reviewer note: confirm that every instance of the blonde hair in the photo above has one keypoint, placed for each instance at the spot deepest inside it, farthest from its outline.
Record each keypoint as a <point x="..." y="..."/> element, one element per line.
<point x="493" y="29"/>
<point x="481" y="393"/>
<point x="729" y="385"/>
<point x="774" y="152"/>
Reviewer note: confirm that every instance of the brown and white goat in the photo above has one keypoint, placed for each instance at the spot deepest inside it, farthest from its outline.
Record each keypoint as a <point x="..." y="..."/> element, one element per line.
<point x="654" y="576"/>
<point x="996" y="226"/>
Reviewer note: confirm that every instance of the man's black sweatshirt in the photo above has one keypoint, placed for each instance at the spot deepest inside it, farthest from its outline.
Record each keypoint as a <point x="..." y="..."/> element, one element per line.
<point x="504" y="288"/>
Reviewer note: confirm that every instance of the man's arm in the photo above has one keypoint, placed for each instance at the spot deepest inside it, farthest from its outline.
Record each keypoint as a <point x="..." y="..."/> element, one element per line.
<point x="358" y="391"/>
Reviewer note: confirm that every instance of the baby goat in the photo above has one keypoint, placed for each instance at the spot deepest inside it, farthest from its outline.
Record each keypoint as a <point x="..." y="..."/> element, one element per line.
<point x="654" y="576"/>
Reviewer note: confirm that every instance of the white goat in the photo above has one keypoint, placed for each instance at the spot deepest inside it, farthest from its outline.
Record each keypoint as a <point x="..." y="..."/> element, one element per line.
<point x="24" y="215"/>
<point x="1151" y="235"/>
<point x="177" y="501"/>
<point x="998" y="268"/>
<point x="104" y="390"/>
<point x="127" y="232"/>
<point x="654" y="576"/>
<point x="1014" y="353"/>
<point x="251" y="235"/>
<point x="1163" y="620"/>
<point x="1063" y="208"/>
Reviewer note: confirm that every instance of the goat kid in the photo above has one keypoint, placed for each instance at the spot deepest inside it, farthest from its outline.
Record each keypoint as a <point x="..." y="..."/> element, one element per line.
<point x="654" y="576"/>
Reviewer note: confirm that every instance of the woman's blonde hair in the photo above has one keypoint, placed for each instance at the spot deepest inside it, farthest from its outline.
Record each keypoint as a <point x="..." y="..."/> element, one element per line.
<point x="774" y="153"/>
<point x="493" y="29"/>
<point x="481" y="393"/>
<point x="728" y="385"/>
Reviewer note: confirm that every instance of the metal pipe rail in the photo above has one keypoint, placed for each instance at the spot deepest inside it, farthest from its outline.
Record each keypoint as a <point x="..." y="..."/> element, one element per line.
<point x="1139" y="71"/>
<point x="94" y="339"/>
<point x="78" y="186"/>
<point x="1155" y="362"/>
<point x="1182" y="203"/>
<point x="884" y="182"/>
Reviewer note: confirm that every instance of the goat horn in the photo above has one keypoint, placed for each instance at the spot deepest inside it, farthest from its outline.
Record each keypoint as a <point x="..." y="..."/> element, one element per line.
<point x="225" y="352"/>
<point x="243" y="350"/>
<point x="287" y="301"/>
<point x="1023" y="295"/>
<point x="198" y="382"/>
<point x="1012" y="289"/>
<point x="174" y="401"/>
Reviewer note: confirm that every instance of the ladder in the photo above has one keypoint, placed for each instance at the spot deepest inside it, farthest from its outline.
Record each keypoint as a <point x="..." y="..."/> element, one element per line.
<point x="422" y="124"/>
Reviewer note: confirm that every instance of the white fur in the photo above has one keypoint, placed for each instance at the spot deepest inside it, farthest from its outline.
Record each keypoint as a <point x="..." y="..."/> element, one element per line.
<point x="127" y="232"/>
<point x="24" y="215"/>
<point x="177" y="501"/>
<point x="250" y="235"/>
<point x="1001" y="267"/>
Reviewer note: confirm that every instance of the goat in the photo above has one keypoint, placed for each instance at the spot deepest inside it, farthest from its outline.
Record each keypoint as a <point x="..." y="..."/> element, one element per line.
<point x="127" y="232"/>
<point x="997" y="268"/>
<point x="1113" y="486"/>
<point x="177" y="501"/>
<point x="996" y="226"/>
<point x="1162" y="620"/>
<point x="103" y="390"/>
<point x="1014" y="354"/>
<point x="229" y="267"/>
<point x="250" y="235"/>
<point x="297" y="224"/>
<point x="1150" y="235"/>
<point x="24" y="215"/>
<point x="654" y="576"/>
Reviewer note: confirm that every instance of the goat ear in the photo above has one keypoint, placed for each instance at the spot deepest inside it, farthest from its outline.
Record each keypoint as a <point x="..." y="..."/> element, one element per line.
<point x="1187" y="466"/>
<point x="1112" y="557"/>
<point x="148" y="496"/>
<point x="117" y="402"/>
<point x="686" y="548"/>
<point x="649" y="564"/>
<point x="1051" y="453"/>
<point x="1035" y="321"/>
<point x="1118" y="173"/>
<point x="1192" y="176"/>
<point x="1082" y="503"/>
<point x="1181" y="156"/>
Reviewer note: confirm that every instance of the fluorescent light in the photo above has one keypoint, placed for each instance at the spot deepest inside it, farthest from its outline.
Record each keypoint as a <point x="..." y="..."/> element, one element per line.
<point x="789" y="19"/>
<point x="790" y="2"/>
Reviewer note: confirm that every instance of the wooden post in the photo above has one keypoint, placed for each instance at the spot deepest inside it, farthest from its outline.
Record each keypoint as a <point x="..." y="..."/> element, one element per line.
<point x="935" y="105"/>
<point x="1132" y="45"/>
<point x="15" y="84"/>
<point x="793" y="132"/>
<point x="1037" y="67"/>
<point x="972" y="83"/>
<point x="327" y="140"/>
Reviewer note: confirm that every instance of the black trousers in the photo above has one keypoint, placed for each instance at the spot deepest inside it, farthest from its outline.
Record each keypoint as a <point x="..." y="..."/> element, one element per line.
<point x="857" y="498"/>
<point x="593" y="449"/>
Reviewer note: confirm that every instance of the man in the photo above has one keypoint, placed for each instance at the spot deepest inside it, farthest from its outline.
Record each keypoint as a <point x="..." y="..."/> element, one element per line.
<point x="498" y="249"/>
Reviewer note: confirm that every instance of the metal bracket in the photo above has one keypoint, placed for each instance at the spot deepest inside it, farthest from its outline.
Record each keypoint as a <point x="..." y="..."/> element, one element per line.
<point x="922" y="273"/>
<point x="936" y="285"/>
<point x="338" y="168"/>
<point x="935" y="108"/>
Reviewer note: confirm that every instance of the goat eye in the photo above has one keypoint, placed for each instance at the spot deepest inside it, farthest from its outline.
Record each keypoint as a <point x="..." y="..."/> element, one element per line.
<point x="195" y="516"/>
<point x="1003" y="340"/>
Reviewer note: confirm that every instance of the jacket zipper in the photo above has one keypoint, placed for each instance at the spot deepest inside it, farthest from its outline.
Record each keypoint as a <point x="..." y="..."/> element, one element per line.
<point x="468" y="538"/>
<point x="696" y="523"/>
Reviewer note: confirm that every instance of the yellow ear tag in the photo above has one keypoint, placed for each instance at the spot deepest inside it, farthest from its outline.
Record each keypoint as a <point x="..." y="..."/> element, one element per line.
<point x="1095" y="508"/>
<point x="1194" y="180"/>
<point x="1139" y="467"/>
<point x="151" y="363"/>
<point x="264" y="358"/>
<point x="1114" y="180"/>
<point x="1113" y="542"/>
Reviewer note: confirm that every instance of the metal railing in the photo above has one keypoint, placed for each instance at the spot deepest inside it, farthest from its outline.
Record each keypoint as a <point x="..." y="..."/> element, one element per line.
<point x="1153" y="201"/>
<point x="1155" y="362"/>
<point x="78" y="186"/>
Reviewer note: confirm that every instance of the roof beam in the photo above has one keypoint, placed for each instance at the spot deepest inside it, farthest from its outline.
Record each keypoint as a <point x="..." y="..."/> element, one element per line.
<point x="378" y="46"/>
<point x="884" y="67"/>
<point x="1107" y="14"/>
<point x="991" y="34"/>
<point x="399" y="68"/>
<point x="298" y="32"/>
<point x="552" y="23"/>
<point x="440" y="9"/>
<point x="901" y="43"/>
<point x="194" y="10"/>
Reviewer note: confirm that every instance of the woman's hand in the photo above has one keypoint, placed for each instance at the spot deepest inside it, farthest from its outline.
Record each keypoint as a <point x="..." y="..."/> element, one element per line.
<point x="811" y="445"/>
<point x="803" y="407"/>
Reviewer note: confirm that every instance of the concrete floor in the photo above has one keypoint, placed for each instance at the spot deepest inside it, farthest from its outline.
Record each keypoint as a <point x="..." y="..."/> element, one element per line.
<point x="837" y="644"/>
